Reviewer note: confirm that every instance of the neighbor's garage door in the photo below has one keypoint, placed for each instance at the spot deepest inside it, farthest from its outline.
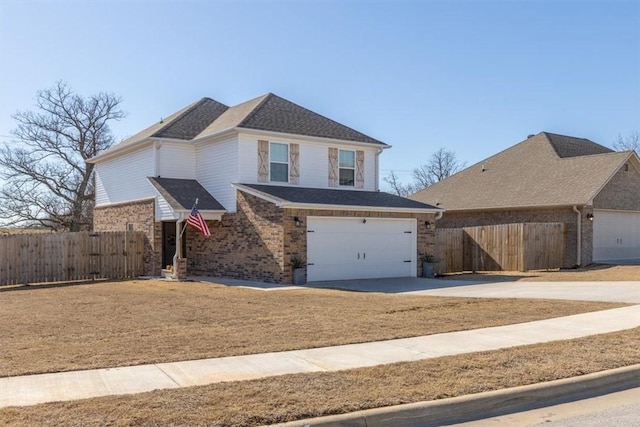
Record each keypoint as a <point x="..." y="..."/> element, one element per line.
<point x="352" y="248"/>
<point x="616" y="235"/>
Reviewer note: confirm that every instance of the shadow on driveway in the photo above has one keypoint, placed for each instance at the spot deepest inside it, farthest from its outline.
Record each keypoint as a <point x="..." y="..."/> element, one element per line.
<point x="392" y="285"/>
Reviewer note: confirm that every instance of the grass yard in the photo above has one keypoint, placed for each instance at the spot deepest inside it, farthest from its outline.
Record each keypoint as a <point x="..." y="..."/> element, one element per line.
<point x="60" y="328"/>
<point x="291" y="397"/>
<point x="596" y="272"/>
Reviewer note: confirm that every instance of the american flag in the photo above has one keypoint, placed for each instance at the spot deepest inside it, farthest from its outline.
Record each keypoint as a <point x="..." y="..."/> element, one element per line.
<point x="195" y="220"/>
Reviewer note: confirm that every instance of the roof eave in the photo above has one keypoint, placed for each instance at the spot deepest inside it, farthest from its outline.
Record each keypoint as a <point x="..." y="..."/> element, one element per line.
<point x="282" y="203"/>
<point x="211" y="215"/>
<point x="501" y="208"/>
<point x="118" y="151"/>
<point x="314" y="206"/>
<point x="325" y="140"/>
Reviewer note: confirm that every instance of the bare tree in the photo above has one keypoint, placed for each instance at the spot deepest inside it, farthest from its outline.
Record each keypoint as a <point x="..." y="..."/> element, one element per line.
<point x="398" y="187"/>
<point x="630" y="142"/>
<point x="47" y="182"/>
<point x="442" y="164"/>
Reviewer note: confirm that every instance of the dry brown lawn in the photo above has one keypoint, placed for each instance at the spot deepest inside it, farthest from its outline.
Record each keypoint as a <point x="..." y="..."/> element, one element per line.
<point x="60" y="328"/>
<point x="300" y="396"/>
<point x="596" y="272"/>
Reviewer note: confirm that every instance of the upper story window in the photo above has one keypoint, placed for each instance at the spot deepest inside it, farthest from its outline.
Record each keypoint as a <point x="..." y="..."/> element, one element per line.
<point x="279" y="162"/>
<point x="347" y="167"/>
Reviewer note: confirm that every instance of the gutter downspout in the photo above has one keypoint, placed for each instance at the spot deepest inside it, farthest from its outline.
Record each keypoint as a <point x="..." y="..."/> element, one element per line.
<point x="377" y="177"/>
<point x="579" y="235"/>
<point x="439" y="215"/>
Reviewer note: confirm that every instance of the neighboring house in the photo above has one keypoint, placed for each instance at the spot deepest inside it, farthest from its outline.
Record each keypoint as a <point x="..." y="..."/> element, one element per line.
<point x="274" y="181"/>
<point x="551" y="178"/>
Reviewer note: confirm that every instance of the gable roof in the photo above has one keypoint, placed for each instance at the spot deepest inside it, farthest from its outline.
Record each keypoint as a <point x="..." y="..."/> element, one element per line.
<point x="543" y="170"/>
<point x="193" y="121"/>
<point x="182" y="193"/>
<point x="268" y="112"/>
<point x="289" y="196"/>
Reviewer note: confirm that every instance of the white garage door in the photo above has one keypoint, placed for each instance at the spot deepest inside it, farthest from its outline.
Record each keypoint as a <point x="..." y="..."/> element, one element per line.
<point x="616" y="235"/>
<point x="359" y="248"/>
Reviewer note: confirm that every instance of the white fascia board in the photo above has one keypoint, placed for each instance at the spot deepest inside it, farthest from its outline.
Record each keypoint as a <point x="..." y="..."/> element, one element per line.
<point x="291" y="205"/>
<point x="276" y="135"/>
<point x="126" y="202"/>
<point x="119" y="151"/>
<point x="206" y="214"/>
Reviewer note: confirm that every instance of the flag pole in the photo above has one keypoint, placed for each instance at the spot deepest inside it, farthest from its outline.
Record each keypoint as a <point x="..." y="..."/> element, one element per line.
<point x="195" y="204"/>
<point x="179" y="242"/>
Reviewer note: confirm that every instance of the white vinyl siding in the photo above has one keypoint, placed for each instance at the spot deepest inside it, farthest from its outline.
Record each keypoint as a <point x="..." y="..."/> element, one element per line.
<point x="125" y="178"/>
<point x="216" y="168"/>
<point x="313" y="162"/>
<point x="176" y="160"/>
<point x="164" y="212"/>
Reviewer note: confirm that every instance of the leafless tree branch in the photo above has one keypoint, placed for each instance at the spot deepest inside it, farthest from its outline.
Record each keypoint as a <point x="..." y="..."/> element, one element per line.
<point x="629" y="142"/>
<point x="47" y="181"/>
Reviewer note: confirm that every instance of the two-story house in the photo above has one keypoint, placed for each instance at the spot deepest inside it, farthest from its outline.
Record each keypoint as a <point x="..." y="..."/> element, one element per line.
<point x="274" y="181"/>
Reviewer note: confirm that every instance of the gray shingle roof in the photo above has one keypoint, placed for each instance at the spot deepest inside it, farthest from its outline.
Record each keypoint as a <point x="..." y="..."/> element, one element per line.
<point x="569" y="146"/>
<point x="182" y="193"/>
<point x="267" y="112"/>
<point x="544" y="170"/>
<point x="322" y="196"/>
<point x="279" y="115"/>
<point x="193" y="121"/>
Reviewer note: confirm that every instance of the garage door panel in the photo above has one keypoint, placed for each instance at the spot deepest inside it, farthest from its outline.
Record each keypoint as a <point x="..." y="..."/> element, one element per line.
<point x="348" y="248"/>
<point x="616" y="235"/>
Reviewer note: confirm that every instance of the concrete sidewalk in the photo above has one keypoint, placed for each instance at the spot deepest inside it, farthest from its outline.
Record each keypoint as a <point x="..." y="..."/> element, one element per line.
<point x="34" y="389"/>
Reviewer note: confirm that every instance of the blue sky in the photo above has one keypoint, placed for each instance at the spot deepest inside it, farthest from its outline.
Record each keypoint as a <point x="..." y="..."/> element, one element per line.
<point x="473" y="76"/>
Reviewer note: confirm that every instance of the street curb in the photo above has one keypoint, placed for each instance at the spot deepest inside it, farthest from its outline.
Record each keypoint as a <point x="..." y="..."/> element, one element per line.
<point x="483" y="405"/>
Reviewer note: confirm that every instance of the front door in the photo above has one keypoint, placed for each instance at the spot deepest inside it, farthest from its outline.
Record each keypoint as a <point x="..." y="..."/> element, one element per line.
<point x="169" y="239"/>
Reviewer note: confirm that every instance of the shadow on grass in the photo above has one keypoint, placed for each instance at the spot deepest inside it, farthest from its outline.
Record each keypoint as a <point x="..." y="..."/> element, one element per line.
<point x="51" y="285"/>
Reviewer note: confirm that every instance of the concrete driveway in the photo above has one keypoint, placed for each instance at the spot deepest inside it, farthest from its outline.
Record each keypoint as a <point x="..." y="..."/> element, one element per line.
<point x="628" y="292"/>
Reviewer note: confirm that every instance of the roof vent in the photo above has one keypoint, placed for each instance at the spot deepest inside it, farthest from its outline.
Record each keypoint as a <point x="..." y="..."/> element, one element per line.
<point x="530" y="135"/>
<point x="483" y="168"/>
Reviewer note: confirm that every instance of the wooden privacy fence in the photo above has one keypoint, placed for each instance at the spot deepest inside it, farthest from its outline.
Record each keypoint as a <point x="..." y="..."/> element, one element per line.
<point x="504" y="247"/>
<point x="41" y="258"/>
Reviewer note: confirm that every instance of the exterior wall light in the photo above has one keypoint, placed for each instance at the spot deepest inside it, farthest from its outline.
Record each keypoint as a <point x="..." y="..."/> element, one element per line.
<point x="364" y="220"/>
<point x="297" y="221"/>
<point x="590" y="216"/>
<point x="427" y="224"/>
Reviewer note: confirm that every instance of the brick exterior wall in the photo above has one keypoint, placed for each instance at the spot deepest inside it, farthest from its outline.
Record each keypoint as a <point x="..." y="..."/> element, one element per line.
<point x="141" y="214"/>
<point x="248" y="244"/>
<point x="621" y="192"/>
<point x="566" y="215"/>
<point x="259" y="241"/>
